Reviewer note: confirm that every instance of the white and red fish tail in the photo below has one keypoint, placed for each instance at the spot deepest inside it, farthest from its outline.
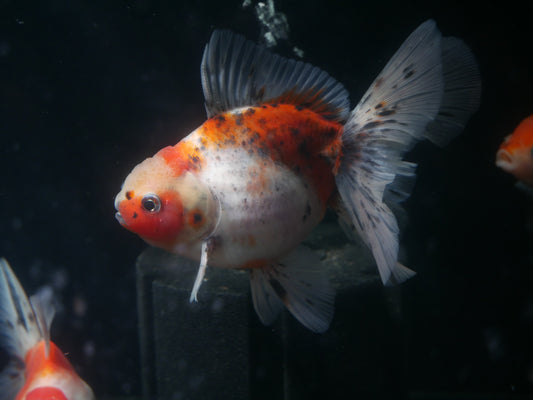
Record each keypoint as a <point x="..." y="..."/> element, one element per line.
<point x="299" y="282"/>
<point x="427" y="90"/>
<point x="21" y="328"/>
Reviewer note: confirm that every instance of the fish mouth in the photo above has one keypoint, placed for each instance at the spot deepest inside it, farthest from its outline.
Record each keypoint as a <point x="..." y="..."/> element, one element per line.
<point x="503" y="159"/>
<point x="120" y="219"/>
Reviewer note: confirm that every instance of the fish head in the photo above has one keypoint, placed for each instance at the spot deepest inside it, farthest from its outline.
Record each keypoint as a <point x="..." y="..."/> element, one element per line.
<point x="506" y="157"/>
<point x="515" y="154"/>
<point x="516" y="157"/>
<point x="165" y="206"/>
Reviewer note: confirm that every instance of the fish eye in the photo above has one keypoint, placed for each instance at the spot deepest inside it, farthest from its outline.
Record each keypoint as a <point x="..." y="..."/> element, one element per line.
<point x="151" y="203"/>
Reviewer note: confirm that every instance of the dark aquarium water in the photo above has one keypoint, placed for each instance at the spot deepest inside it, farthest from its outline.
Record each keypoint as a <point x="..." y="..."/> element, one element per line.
<point x="91" y="88"/>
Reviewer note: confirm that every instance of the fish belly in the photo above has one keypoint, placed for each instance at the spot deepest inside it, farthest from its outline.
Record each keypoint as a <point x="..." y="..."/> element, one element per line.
<point x="266" y="208"/>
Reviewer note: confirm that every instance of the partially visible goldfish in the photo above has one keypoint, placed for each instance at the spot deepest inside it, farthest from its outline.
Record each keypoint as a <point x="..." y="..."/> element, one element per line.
<point x="515" y="154"/>
<point x="37" y="368"/>
<point x="280" y="146"/>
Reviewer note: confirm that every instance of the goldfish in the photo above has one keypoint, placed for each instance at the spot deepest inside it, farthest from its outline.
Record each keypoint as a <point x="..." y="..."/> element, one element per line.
<point x="279" y="147"/>
<point x="515" y="154"/>
<point x="37" y="369"/>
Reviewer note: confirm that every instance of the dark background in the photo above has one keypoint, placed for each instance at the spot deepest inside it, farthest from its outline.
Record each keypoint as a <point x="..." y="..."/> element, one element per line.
<point x="91" y="88"/>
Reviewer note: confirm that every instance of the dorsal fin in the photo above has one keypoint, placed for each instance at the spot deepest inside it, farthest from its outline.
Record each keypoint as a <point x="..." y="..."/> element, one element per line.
<point x="238" y="73"/>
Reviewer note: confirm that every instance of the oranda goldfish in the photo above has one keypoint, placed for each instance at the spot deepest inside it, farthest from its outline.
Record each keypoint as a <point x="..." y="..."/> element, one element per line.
<point x="37" y="369"/>
<point x="281" y="145"/>
<point x="515" y="154"/>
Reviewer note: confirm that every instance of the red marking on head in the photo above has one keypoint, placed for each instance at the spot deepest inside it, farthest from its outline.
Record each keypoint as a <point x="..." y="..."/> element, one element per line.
<point x="162" y="224"/>
<point x="46" y="393"/>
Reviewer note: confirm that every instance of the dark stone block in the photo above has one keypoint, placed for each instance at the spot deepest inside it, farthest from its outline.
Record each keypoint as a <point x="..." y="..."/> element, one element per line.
<point x="217" y="348"/>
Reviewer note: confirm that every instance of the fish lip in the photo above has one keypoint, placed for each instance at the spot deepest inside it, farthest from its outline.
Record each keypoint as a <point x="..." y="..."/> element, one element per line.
<point x="119" y="218"/>
<point x="503" y="159"/>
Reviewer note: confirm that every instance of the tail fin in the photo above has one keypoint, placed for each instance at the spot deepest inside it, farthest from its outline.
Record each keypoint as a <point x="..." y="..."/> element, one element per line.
<point x="21" y="328"/>
<point x="428" y="89"/>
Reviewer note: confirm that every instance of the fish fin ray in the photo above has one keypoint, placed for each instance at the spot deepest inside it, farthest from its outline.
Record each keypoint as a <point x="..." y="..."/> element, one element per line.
<point x="462" y="92"/>
<point x="266" y="302"/>
<point x="392" y="115"/>
<point x="400" y="274"/>
<point x="525" y="188"/>
<point x="19" y="329"/>
<point x="238" y="73"/>
<point x="11" y="378"/>
<point x="43" y="307"/>
<point x="301" y="283"/>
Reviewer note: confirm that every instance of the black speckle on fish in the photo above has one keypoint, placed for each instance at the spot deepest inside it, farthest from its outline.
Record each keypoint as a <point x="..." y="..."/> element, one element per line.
<point x="385" y="113"/>
<point x="307" y="212"/>
<point x="197" y="217"/>
<point x="408" y="71"/>
<point x="278" y="289"/>
<point x="372" y="124"/>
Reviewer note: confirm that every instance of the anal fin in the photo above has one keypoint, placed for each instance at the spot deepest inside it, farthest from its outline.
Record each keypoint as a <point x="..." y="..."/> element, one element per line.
<point x="299" y="282"/>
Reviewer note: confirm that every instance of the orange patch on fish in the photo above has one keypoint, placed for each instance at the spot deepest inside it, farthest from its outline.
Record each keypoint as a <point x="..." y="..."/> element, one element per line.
<point x="259" y="182"/>
<point x="247" y="240"/>
<point x="184" y="156"/>
<point x="515" y="154"/>
<point x="303" y="140"/>
<point x="253" y="264"/>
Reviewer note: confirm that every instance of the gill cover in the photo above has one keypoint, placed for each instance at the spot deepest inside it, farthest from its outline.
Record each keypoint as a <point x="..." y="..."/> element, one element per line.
<point x="200" y="208"/>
